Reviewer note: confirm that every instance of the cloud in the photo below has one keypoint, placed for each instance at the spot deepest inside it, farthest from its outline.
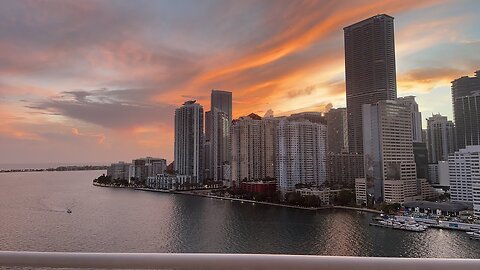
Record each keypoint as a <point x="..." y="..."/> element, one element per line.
<point x="106" y="108"/>
<point x="119" y="69"/>
<point x="318" y="107"/>
<point x="302" y="92"/>
<point x="99" y="137"/>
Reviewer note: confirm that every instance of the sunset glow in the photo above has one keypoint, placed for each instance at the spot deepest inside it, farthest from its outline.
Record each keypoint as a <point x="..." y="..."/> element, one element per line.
<point x="99" y="80"/>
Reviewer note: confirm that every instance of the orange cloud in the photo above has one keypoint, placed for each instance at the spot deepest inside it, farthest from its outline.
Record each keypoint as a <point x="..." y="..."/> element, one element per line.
<point x="255" y="90"/>
<point x="305" y="37"/>
<point x="99" y="137"/>
<point x="425" y="79"/>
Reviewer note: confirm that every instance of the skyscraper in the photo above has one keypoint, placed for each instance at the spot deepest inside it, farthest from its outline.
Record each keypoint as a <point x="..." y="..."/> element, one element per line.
<point x="390" y="169"/>
<point x="441" y="138"/>
<point x="337" y="141"/>
<point x="207" y="146"/>
<point x="219" y="143"/>
<point x="189" y="140"/>
<point x="416" y="115"/>
<point x="253" y="148"/>
<point x="301" y="154"/>
<point x="218" y="124"/>
<point x="369" y="70"/>
<point x="465" y="109"/>
<point x="222" y="100"/>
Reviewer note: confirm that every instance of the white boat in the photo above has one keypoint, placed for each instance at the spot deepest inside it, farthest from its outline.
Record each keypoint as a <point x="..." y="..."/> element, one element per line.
<point x="415" y="227"/>
<point x="474" y="235"/>
<point x="399" y="225"/>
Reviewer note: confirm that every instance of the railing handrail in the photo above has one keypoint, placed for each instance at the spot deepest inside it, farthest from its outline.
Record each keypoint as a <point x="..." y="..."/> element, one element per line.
<point x="225" y="261"/>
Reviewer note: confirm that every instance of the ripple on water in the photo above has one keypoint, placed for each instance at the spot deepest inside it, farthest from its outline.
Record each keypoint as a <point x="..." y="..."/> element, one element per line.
<point x="120" y="220"/>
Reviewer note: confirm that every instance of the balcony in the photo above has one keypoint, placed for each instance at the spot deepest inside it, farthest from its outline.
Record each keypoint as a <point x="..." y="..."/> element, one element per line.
<point x="225" y="261"/>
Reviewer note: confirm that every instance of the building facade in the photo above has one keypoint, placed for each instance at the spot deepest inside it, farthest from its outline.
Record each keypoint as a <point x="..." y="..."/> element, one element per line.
<point x="119" y="170"/>
<point x="464" y="172"/>
<point x="438" y="174"/>
<point x="416" y="115"/>
<point x="222" y="101"/>
<point x="467" y="119"/>
<point x="369" y="70"/>
<point x="169" y="182"/>
<point x="465" y="111"/>
<point x="324" y="195"/>
<point x="390" y="168"/>
<point x="259" y="186"/>
<point x="441" y="138"/>
<point x="142" y="168"/>
<point x="218" y="123"/>
<point x="301" y="154"/>
<point x="337" y="130"/>
<point x="420" y="154"/>
<point x="189" y="141"/>
<point x="219" y="144"/>
<point x="344" y="168"/>
<point x="253" y="148"/>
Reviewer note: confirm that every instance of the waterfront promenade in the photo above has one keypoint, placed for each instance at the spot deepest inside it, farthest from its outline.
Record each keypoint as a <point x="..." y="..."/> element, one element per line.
<point x="201" y="193"/>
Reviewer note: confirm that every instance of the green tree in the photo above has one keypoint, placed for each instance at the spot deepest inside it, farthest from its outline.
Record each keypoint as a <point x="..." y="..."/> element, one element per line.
<point x="345" y="197"/>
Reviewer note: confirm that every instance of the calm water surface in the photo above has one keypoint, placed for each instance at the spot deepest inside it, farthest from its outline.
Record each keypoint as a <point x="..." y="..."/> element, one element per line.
<point x="33" y="217"/>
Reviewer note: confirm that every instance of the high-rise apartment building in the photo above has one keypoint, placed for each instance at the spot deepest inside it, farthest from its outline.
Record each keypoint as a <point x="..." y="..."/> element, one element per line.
<point x="390" y="170"/>
<point x="301" y="154"/>
<point x="440" y="138"/>
<point x="464" y="174"/>
<point x="189" y="140"/>
<point x="337" y="127"/>
<point x="465" y="110"/>
<point x="253" y="148"/>
<point x="369" y="70"/>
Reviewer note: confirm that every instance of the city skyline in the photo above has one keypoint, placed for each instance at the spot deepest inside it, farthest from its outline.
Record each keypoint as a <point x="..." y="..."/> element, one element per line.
<point x="111" y="98"/>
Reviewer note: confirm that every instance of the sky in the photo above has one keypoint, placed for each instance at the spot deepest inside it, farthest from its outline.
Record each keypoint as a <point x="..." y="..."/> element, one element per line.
<point x="98" y="81"/>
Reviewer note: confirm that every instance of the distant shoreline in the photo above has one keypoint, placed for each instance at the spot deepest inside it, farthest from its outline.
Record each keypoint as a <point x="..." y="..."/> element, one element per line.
<point x="193" y="193"/>
<point x="58" y="169"/>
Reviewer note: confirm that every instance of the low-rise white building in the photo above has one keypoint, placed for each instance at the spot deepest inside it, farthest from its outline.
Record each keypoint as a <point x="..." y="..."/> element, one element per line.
<point x="322" y="194"/>
<point x="464" y="171"/>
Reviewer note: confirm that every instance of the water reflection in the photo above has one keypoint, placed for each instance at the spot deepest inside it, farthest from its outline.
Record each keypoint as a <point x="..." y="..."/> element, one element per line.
<point x="33" y="217"/>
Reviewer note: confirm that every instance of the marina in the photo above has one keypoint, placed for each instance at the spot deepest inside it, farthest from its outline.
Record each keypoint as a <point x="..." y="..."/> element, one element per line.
<point x="393" y="223"/>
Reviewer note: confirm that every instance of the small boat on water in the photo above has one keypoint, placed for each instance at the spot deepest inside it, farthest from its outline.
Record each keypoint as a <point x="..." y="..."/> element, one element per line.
<point x="474" y="235"/>
<point x="69" y="211"/>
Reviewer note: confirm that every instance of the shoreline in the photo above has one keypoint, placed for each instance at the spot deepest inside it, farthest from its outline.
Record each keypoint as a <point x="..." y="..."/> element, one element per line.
<point x="52" y="170"/>
<point x="193" y="193"/>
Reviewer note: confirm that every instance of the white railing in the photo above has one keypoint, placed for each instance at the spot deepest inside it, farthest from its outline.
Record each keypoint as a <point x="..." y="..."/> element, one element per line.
<point x="225" y="261"/>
